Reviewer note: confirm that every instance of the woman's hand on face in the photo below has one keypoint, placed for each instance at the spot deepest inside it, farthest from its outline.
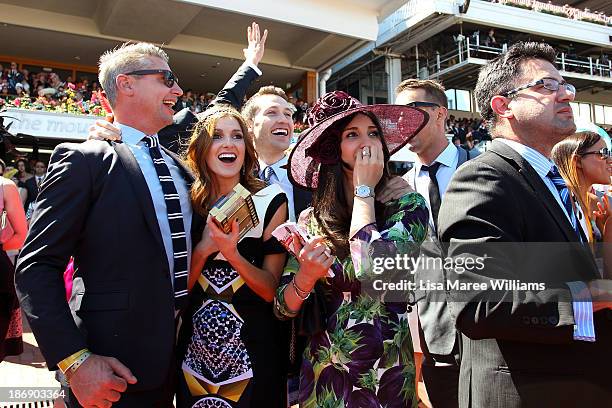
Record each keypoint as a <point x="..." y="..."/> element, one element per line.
<point x="315" y="260"/>
<point x="226" y="243"/>
<point x="368" y="168"/>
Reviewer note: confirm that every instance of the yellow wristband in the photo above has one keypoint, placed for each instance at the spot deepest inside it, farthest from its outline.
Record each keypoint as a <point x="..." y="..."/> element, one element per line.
<point x="65" y="364"/>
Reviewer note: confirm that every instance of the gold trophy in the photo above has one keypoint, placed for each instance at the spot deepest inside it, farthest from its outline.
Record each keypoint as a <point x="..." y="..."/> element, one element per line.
<point x="238" y="204"/>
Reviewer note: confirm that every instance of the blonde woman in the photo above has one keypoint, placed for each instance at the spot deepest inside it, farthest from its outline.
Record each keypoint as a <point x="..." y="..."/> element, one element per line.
<point x="584" y="159"/>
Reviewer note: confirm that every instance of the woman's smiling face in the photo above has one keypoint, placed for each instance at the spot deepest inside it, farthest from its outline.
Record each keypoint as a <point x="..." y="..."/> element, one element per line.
<point x="225" y="156"/>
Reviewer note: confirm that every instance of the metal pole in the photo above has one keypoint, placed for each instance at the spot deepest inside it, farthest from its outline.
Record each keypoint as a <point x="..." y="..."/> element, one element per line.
<point x="563" y="61"/>
<point x="438" y="60"/>
<point x="591" y="65"/>
<point x="417" y="59"/>
<point x="468" y="46"/>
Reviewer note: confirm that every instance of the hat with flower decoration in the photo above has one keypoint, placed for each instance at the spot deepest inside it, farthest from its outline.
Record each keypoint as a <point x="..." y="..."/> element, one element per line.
<point x="317" y="146"/>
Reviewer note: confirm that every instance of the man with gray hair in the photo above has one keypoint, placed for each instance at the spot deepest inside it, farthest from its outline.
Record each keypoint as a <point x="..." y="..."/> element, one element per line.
<point x="122" y="211"/>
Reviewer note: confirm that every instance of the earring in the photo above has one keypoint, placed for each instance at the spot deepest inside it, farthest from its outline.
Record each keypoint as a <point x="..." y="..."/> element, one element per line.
<point x="242" y="170"/>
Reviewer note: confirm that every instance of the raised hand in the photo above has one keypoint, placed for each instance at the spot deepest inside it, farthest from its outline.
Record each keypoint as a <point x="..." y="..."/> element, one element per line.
<point x="256" y="44"/>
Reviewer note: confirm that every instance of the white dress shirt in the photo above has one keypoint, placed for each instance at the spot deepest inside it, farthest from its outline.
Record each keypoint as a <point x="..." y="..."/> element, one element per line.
<point x="584" y="329"/>
<point x="132" y="138"/>
<point x="280" y="177"/>
<point x="419" y="178"/>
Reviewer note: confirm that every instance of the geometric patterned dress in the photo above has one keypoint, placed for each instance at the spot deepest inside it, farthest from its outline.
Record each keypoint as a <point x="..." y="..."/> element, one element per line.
<point x="229" y="339"/>
<point x="364" y="358"/>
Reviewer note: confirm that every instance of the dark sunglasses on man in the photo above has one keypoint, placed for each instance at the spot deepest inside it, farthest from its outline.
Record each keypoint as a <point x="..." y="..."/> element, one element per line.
<point x="169" y="77"/>
<point x="419" y="104"/>
<point x="604" y="154"/>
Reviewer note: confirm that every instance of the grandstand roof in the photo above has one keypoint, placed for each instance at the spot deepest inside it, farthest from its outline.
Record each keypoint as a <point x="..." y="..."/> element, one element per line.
<point x="204" y="38"/>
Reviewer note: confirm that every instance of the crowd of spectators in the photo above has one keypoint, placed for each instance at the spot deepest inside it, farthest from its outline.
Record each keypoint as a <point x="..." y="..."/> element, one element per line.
<point x="463" y="129"/>
<point x="198" y="102"/>
<point x="16" y="82"/>
<point x="567" y="11"/>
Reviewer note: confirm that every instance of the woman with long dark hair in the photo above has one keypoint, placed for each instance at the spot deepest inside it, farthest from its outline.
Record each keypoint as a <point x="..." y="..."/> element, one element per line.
<point x="363" y="356"/>
<point x="229" y="338"/>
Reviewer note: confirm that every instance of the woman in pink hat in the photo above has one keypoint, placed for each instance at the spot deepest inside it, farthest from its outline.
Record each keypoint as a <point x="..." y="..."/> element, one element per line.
<point x="361" y="355"/>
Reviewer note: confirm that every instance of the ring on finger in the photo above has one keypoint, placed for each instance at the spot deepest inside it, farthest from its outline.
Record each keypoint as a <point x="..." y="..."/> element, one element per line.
<point x="365" y="151"/>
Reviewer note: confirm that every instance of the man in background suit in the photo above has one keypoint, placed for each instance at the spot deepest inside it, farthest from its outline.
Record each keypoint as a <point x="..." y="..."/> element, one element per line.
<point x="269" y="115"/>
<point x="123" y="211"/>
<point x="546" y="344"/>
<point x="437" y="160"/>
<point x="32" y="185"/>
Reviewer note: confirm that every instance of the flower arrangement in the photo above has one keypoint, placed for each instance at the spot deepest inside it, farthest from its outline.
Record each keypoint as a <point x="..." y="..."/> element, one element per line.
<point x="66" y="103"/>
<point x="300" y="127"/>
<point x="519" y="4"/>
<point x="553" y="12"/>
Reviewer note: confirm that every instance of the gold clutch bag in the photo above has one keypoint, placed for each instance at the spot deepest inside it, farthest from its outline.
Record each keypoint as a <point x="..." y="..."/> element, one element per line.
<point x="238" y="204"/>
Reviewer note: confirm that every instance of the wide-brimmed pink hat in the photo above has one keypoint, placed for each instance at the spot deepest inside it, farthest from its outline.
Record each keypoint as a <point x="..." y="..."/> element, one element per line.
<point x="399" y="123"/>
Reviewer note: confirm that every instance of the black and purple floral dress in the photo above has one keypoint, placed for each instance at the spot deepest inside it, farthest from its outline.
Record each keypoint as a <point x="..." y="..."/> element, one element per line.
<point x="365" y="357"/>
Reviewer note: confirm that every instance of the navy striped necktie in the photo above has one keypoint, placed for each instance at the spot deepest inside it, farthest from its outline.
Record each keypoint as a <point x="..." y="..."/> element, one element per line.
<point x="268" y="173"/>
<point x="564" y="193"/>
<point x="175" y="219"/>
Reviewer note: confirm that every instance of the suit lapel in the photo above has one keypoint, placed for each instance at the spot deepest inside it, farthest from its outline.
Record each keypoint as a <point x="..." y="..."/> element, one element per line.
<point x="141" y="191"/>
<point x="539" y="188"/>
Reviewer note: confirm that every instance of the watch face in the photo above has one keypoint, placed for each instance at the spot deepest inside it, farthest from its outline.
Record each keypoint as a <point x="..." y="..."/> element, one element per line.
<point x="363" y="191"/>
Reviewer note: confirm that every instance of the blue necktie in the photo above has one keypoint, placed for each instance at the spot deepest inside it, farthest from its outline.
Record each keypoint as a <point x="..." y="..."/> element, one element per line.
<point x="564" y="193"/>
<point x="268" y="173"/>
<point x="175" y="219"/>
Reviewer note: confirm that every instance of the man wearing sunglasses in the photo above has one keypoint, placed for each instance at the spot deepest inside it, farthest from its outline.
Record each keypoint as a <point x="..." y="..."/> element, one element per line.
<point x="543" y="337"/>
<point x="437" y="160"/>
<point x="177" y="134"/>
<point x="123" y="211"/>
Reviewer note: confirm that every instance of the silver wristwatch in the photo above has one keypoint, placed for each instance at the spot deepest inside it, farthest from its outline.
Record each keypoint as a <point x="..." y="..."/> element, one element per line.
<point x="363" y="191"/>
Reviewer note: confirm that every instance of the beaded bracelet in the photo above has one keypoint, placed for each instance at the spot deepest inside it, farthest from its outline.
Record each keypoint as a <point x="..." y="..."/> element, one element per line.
<point x="302" y="294"/>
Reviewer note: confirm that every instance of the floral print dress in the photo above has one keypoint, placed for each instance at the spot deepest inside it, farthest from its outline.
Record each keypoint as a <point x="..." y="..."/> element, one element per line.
<point x="365" y="356"/>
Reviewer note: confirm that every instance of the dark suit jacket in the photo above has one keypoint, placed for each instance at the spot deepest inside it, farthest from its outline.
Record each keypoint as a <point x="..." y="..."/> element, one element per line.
<point x="176" y="136"/>
<point x="438" y="335"/>
<point x="518" y="346"/>
<point x="95" y="206"/>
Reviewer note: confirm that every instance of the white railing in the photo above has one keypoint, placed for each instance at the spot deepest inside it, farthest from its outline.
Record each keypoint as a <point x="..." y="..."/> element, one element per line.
<point x="467" y="49"/>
